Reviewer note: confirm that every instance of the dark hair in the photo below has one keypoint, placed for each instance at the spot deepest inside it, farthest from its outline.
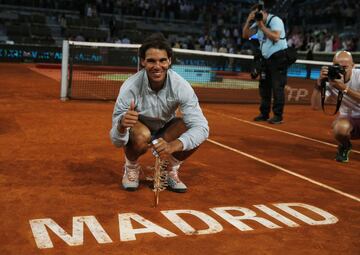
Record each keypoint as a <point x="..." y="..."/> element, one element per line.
<point x="254" y="7"/>
<point x="263" y="5"/>
<point x="155" y="41"/>
<point x="257" y="7"/>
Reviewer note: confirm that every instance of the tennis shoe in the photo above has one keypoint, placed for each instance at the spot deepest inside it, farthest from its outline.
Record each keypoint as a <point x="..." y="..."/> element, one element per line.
<point x="343" y="152"/>
<point x="130" y="180"/>
<point x="174" y="182"/>
<point x="276" y="120"/>
<point x="261" y="117"/>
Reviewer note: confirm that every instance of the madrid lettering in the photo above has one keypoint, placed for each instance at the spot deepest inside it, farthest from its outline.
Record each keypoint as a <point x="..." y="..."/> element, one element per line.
<point x="238" y="217"/>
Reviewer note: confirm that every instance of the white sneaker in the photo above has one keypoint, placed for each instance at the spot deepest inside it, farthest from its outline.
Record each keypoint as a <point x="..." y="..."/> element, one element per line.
<point x="174" y="182"/>
<point x="130" y="180"/>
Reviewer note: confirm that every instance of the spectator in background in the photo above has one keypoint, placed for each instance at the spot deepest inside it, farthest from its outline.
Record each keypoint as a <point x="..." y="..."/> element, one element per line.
<point x="117" y="40"/>
<point x="63" y="24"/>
<point x="223" y="49"/>
<point x="88" y="10"/>
<point x="191" y="45"/>
<point x="328" y="43"/>
<point x="336" y="43"/>
<point x="231" y="49"/>
<point x="208" y="44"/>
<point x="214" y="46"/>
<point x="112" y="26"/>
<point x="317" y="45"/>
<point x="297" y="40"/>
<point x="79" y="38"/>
<point x="236" y="33"/>
<point x="201" y="41"/>
<point x="125" y="40"/>
<point x="348" y="44"/>
<point x="177" y="45"/>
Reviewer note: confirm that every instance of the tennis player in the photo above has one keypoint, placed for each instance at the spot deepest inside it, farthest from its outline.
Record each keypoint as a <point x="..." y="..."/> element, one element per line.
<point x="347" y="125"/>
<point x="146" y="109"/>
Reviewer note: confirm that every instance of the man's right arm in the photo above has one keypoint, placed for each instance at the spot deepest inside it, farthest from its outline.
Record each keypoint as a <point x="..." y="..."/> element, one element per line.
<point x="316" y="96"/>
<point x="119" y="133"/>
<point x="247" y="31"/>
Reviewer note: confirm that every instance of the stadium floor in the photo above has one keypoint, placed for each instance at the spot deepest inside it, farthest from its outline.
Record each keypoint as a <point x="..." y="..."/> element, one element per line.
<point x="253" y="188"/>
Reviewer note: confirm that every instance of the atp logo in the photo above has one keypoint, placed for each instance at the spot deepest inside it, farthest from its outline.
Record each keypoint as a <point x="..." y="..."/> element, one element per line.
<point x="297" y="94"/>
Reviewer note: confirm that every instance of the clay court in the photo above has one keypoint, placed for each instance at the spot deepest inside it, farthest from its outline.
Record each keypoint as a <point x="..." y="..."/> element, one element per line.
<point x="253" y="188"/>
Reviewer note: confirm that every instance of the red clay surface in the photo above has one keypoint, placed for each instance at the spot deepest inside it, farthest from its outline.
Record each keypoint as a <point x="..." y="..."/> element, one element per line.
<point x="57" y="162"/>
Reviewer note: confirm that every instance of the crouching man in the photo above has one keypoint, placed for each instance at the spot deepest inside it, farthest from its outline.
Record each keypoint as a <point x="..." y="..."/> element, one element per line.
<point x="146" y="110"/>
<point x="347" y="124"/>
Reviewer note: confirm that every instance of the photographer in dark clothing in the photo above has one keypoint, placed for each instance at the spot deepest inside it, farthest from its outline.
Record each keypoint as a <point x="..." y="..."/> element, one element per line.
<point x="271" y="34"/>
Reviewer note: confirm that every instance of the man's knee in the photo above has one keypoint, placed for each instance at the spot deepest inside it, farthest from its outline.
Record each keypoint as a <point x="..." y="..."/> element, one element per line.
<point x="139" y="139"/>
<point x="342" y="127"/>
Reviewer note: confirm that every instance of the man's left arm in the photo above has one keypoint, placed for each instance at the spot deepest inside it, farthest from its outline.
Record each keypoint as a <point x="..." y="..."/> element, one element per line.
<point x="194" y="119"/>
<point x="339" y="84"/>
<point x="273" y="35"/>
<point x="274" y="29"/>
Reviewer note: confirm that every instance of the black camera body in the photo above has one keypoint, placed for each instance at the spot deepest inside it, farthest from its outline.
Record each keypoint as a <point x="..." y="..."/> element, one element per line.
<point x="334" y="71"/>
<point x="258" y="15"/>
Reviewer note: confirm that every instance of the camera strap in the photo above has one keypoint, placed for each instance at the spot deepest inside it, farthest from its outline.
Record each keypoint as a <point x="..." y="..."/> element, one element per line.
<point x="269" y="27"/>
<point x="323" y="97"/>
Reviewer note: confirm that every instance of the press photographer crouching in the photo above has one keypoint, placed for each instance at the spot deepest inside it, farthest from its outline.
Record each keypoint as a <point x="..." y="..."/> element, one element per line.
<point x="273" y="61"/>
<point x="343" y="79"/>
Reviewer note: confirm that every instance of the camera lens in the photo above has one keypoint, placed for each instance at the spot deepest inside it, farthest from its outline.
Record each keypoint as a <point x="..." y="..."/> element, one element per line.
<point x="258" y="16"/>
<point x="334" y="72"/>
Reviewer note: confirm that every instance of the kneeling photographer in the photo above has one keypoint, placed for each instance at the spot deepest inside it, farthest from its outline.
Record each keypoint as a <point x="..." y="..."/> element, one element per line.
<point x="343" y="79"/>
<point x="274" y="61"/>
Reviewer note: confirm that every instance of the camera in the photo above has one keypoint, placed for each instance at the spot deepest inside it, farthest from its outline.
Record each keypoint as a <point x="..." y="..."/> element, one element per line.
<point x="334" y="71"/>
<point x="258" y="15"/>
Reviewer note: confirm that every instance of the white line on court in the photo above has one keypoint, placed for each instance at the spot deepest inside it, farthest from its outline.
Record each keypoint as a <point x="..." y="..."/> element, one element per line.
<point x="279" y="130"/>
<point x="286" y="170"/>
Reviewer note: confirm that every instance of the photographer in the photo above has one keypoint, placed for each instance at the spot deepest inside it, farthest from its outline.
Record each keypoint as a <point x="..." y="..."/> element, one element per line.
<point x="271" y="34"/>
<point x="342" y="77"/>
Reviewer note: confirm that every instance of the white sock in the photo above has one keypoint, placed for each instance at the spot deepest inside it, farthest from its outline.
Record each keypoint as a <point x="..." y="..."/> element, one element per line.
<point x="131" y="164"/>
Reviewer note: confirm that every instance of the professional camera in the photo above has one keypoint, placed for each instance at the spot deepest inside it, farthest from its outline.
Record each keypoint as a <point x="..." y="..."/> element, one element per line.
<point x="260" y="7"/>
<point x="258" y="15"/>
<point x="334" y="71"/>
